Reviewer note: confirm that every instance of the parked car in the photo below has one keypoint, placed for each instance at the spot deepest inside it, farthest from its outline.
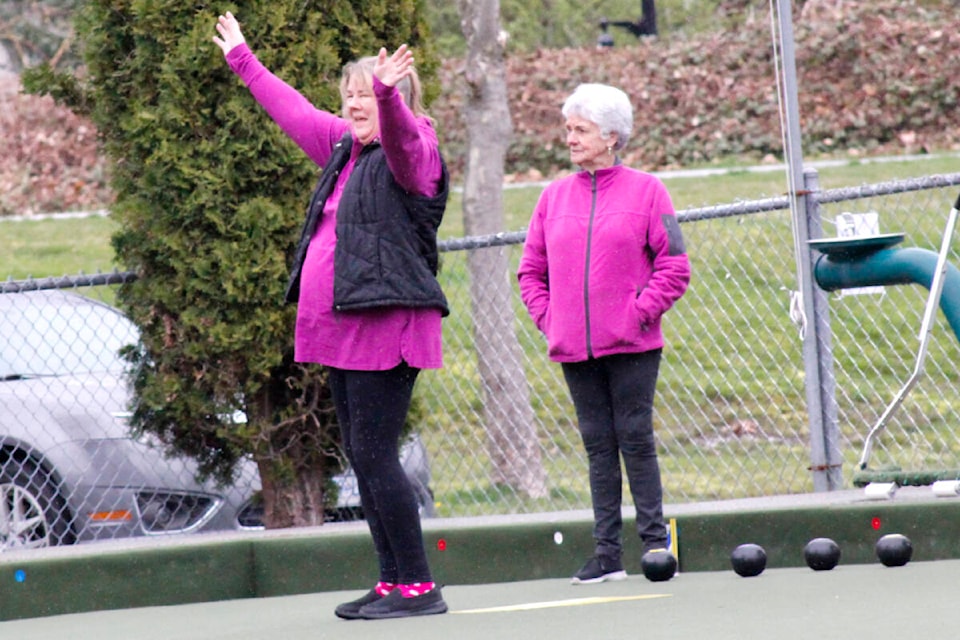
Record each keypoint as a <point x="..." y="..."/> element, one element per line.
<point x="70" y="470"/>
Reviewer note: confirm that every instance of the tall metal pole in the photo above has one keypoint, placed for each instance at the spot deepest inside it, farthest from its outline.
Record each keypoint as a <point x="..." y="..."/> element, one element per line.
<point x="826" y="474"/>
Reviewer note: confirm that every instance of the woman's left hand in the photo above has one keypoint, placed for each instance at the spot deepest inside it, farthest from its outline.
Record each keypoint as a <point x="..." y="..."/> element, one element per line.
<point x="392" y="69"/>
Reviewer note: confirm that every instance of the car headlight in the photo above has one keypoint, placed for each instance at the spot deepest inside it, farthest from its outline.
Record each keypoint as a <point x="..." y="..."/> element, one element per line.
<point x="174" y="512"/>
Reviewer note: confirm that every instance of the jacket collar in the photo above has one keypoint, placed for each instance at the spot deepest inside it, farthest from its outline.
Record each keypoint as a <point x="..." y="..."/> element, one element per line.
<point x="603" y="175"/>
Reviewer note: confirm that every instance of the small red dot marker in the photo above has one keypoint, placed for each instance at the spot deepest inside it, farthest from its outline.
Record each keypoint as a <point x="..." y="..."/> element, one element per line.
<point x="441" y="545"/>
<point x="875" y="523"/>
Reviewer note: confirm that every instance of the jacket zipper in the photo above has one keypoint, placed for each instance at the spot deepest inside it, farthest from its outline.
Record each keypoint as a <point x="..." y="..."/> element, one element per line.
<point x="586" y="267"/>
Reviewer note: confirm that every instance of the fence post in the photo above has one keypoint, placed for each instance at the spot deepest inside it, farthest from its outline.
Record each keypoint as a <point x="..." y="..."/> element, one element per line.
<point x="825" y="459"/>
<point x="819" y="401"/>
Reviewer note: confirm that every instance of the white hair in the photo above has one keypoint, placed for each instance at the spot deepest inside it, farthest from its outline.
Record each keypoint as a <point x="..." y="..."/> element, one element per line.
<point x="605" y="106"/>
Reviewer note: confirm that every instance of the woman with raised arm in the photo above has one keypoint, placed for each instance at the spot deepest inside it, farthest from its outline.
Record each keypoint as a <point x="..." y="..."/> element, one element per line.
<point x="364" y="279"/>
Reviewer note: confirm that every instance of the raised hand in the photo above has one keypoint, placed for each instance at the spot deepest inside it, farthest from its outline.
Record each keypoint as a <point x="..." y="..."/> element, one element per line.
<point x="392" y="69"/>
<point x="230" y="34"/>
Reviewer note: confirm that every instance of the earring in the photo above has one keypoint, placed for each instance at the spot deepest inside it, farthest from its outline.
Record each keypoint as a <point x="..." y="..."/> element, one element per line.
<point x="610" y="151"/>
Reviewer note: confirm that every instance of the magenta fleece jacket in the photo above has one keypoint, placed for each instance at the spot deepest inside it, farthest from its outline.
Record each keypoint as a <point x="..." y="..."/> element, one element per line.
<point x="604" y="259"/>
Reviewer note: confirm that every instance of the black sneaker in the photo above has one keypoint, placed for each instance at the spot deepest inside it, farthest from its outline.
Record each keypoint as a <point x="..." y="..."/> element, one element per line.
<point x="600" y="569"/>
<point x="351" y="610"/>
<point x="396" y="606"/>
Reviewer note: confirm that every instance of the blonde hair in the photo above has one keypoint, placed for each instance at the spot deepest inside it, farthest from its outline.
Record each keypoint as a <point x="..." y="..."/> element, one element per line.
<point x="409" y="87"/>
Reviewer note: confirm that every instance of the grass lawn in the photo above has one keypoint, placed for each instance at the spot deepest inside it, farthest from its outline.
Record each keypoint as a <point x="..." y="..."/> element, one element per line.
<point x="54" y="247"/>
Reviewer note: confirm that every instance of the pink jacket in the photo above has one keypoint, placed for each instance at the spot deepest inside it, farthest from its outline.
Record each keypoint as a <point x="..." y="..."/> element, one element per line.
<point x="603" y="261"/>
<point x="375" y="339"/>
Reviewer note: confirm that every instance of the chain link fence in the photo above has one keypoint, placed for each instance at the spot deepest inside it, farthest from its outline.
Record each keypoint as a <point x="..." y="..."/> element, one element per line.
<point x="731" y="408"/>
<point x="731" y="412"/>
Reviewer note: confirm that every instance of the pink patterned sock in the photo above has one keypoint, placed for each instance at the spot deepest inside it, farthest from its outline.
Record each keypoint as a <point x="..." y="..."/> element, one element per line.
<point x="384" y="588"/>
<point x="416" y="589"/>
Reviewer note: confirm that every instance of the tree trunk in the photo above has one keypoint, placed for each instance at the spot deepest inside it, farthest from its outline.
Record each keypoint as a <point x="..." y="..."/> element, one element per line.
<point x="291" y="499"/>
<point x="512" y="441"/>
<point x="295" y="456"/>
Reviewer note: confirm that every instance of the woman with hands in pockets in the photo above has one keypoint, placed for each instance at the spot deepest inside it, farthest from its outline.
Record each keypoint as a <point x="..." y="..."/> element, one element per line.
<point x="603" y="260"/>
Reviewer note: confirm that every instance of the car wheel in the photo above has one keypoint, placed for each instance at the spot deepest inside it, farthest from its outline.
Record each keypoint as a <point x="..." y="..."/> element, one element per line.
<point x="32" y="513"/>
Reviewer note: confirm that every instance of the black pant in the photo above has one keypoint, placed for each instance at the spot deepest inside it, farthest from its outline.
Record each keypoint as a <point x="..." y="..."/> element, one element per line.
<point x="613" y="397"/>
<point x="372" y="408"/>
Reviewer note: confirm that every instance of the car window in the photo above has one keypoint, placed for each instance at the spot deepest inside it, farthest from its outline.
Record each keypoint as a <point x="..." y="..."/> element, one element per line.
<point x="45" y="333"/>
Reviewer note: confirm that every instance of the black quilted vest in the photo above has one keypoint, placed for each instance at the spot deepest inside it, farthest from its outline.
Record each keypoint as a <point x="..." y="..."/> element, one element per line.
<point x="386" y="253"/>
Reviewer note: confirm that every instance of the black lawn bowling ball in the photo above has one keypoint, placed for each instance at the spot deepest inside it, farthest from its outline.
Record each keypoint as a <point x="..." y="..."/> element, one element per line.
<point x="658" y="565"/>
<point x="894" y="550"/>
<point x="749" y="560"/>
<point x="821" y="554"/>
